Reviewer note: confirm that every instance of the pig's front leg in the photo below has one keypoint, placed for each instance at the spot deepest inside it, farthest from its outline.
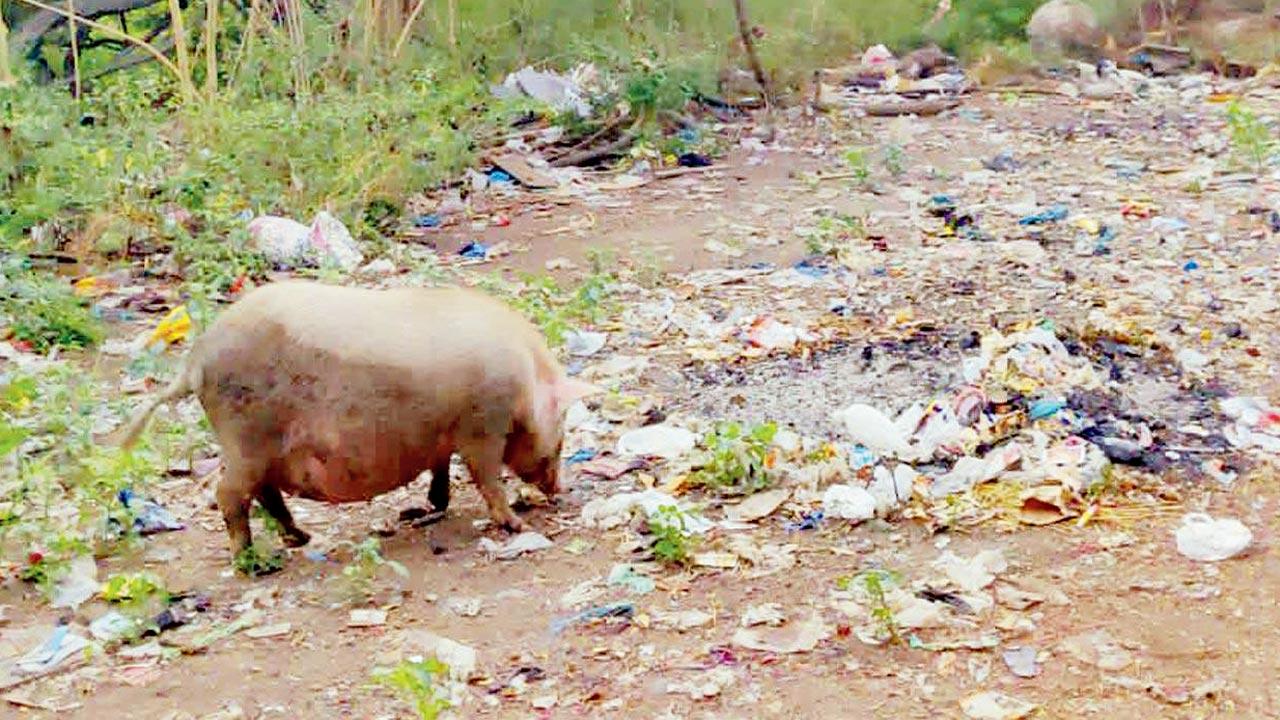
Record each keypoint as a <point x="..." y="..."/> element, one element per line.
<point x="485" y="463"/>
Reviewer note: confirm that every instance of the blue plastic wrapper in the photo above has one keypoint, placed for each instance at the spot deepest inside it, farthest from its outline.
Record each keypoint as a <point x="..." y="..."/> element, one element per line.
<point x="811" y="268"/>
<point x="475" y="250"/>
<point x="809" y="521"/>
<point x="1046" y="408"/>
<point x="149" y="517"/>
<point x="580" y="456"/>
<point x="860" y="456"/>
<point x="1048" y="215"/>
<point x="618" y="609"/>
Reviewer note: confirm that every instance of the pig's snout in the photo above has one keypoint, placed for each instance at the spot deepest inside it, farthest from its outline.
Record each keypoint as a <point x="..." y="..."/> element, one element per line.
<point x="547" y="477"/>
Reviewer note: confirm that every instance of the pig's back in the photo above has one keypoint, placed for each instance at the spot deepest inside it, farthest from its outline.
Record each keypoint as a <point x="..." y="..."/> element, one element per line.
<point x="409" y="329"/>
<point x="448" y="352"/>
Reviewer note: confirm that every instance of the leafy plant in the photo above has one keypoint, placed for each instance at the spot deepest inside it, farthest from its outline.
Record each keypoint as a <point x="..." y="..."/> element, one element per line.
<point x="269" y="523"/>
<point x="46" y="314"/>
<point x="367" y="562"/>
<point x="874" y="582"/>
<point x="833" y="234"/>
<point x="556" y="310"/>
<point x="133" y="589"/>
<point x="859" y="167"/>
<point x="418" y="682"/>
<point x="672" y="545"/>
<point x="895" y="160"/>
<point x="737" y="460"/>
<point x="1251" y="139"/>
<point x="255" y="561"/>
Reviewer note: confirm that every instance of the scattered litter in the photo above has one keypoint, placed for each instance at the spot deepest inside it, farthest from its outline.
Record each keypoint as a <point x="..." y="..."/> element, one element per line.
<point x="78" y="584"/>
<point x="972" y="574"/>
<point x="682" y="620"/>
<point x="559" y="91"/>
<point x="462" y="660"/>
<point x="706" y="685"/>
<point x="62" y="649"/>
<point x="1098" y="649"/>
<point x="1048" y="215"/>
<point x="172" y="328"/>
<point x="366" y="617"/>
<point x="799" y="637"/>
<point x="848" y="502"/>
<point x="1021" y="661"/>
<point x="614" y="610"/>
<point x="623" y="575"/>
<point x="720" y="560"/>
<point x="664" y="441"/>
<point x="111" y="626"/>
<point x="609" y="512"/>
<point x="286" y="242"/>
<point x="1205" y="539"/>
<point x="873" y="429"/>
<point x="269" y="631"/>
<point x="475" y="250"/>
<point x="757" y="506"/>
<point x="808" y="521"/>
<point x="525" y="542"/>
<point x="581" y="343"/>
<point x="149" y="517"/>
<point x="992" y="705"/>
<point x="770" y="614"/>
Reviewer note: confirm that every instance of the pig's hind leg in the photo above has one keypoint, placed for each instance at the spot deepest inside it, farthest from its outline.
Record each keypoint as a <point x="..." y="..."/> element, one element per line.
<point x="272" y="501"/>
<point x="484" y="461"/>
<point x="234" y="493"/>
<point x="438" y="493"/>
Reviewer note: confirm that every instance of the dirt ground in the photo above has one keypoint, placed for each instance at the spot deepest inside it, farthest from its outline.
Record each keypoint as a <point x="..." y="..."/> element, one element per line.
<point x="1185" y="639"/>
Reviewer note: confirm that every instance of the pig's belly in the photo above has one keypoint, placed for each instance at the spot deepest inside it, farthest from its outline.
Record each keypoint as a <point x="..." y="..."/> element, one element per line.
<point x="357" y="464"/>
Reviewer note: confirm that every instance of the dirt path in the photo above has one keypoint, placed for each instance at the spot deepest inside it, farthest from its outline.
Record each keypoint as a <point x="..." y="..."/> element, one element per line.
<point x="1175" y="639"/>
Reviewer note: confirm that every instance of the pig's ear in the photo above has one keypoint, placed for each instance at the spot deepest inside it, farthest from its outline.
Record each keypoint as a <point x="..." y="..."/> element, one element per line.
<point x="570" y="390"/>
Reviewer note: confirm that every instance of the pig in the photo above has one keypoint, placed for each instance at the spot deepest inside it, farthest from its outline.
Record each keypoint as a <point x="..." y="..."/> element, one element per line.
<point x="340" y="394"/>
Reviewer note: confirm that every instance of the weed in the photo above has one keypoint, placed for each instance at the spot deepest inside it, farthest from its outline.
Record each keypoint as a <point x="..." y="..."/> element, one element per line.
<point x="269" y="523"/>
<point x="255" y="561"/>
<point x="672" y="545"/>
<point x="1250" y="137"/>
<point x="418" y="682"/>
<point x="874" y="582"/>
<point x="134" y="589"/>
<point x="556" y="310"/>
<point x="46" y="313"/>
<point x="367" y="561"/>
<point x="895" y="160"/>
<point x="971" y="23"/>
<point x="856" y="159"/>
<point x="833" y="234"/>
<point x="737" y="460"/>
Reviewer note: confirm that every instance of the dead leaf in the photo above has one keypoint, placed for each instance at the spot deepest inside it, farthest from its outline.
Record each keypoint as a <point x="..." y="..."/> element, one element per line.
<point x="792" y="638"/>
<point x="757" y="506"/>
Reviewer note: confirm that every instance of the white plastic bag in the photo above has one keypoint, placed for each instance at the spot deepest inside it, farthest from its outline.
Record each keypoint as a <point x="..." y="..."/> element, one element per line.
<point x="1206" y="539"/>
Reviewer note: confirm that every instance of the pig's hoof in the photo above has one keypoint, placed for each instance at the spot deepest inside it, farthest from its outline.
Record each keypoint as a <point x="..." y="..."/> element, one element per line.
<point x="296" y="538"/>
<point x="512" y="524"/>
